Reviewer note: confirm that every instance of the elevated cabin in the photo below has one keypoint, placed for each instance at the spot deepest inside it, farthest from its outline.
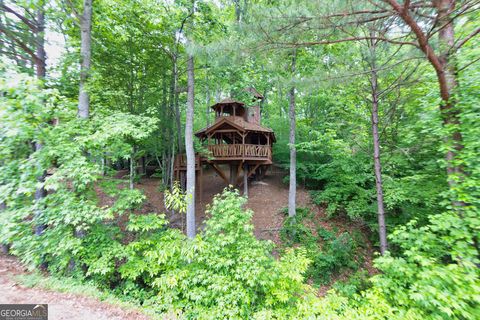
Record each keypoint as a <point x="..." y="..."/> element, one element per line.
<point x="237" y="136"/>
<point x="236" y="139"/>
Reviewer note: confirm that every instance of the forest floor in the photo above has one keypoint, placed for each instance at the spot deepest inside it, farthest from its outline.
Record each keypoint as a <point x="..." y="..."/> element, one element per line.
<point x="61" y="306"/>
<point x="266" y="198"/>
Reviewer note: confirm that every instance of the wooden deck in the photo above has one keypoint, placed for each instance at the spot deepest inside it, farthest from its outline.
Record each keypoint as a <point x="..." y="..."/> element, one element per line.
<point x="255" y="158"/>
<point x="241" y="152"/>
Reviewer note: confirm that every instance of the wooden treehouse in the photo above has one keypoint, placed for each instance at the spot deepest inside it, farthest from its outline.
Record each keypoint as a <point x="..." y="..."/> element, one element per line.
<point x="235" y="141"/>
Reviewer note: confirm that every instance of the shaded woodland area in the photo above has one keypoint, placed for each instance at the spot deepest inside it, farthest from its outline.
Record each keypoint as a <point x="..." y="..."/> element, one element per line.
<point x="347" y="130"/>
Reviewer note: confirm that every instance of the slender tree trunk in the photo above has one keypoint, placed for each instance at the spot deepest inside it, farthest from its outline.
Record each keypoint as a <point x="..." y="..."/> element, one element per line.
<point x="85" y="56"/>
<point x="207" y="110"/>
<point x="172" y="163"/>
<point x="40" y="61"/>
<point x="189" y="149"/>
<point x="83" y="110"/>
<point x="5" y="248"/>
<point x="448" y="79"/>
<point x="382" y="230"/>
<point x="176" y="105"/>
<point x="292" y="191"/>
<point x="40" y="64"/>
<point x="132" y="169"/>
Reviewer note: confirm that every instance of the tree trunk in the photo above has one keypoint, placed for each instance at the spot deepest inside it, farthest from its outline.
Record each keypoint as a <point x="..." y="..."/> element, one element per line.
<point x="132" y="169"/>
<point x="189" y="149"/>
<point x="40" y="60"/>
<point x="85" y="58"/>
<point x="4" y="246"/>
<point x="40" y="64"/>
<point x="382" y="230"/>
<point x="448" y="81"/>
<point x="207" y="110"/>
<point x="292" y="191"/>
<point x="445" y="70"/>
<point x="176" y="106"/>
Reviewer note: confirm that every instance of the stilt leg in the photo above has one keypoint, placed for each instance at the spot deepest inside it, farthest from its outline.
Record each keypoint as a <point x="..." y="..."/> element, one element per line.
<point x="245" y="180"/>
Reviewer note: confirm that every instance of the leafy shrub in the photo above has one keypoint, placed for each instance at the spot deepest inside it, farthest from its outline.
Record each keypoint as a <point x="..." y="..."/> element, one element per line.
<point x="330" y="254"/>
<point x="228" y="273"/>
<point x="355" y="284"/>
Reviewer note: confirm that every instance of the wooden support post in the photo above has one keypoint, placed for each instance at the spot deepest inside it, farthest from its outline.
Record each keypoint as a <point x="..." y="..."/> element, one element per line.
<point x="250" y="173"/>
<point x="233" y="174"/>
<point x="253" y="170"/>
<point x="200" y="184"/>
<point x="220" y="173"/>
<point x="245" y="180"/>
<point x="239" y="168"/>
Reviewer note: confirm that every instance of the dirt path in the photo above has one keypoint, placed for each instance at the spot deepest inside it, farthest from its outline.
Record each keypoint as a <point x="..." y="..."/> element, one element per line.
<point x="61" y="306"/>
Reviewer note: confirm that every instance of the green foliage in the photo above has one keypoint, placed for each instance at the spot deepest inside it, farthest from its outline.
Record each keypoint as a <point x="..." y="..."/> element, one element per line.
<point x="68" y="152"/>
<point x="330" y="253"/>
<point x="355" y="284"/>
<point x="176" y="199"/>
<point x="230" y="274"/>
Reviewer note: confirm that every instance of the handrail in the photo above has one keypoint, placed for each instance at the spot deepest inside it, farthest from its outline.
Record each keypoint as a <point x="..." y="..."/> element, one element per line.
<point x="240" y="150"/>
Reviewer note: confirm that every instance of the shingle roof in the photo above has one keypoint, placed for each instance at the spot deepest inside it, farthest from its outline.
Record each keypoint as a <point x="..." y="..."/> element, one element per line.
<point x="238" y="122"/>
<point x="227" y="101"/>
<point x="254" y="92"/>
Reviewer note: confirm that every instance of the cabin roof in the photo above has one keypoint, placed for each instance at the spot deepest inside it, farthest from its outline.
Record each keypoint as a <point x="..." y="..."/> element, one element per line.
<point x="236" y="122"/>
<point x="227" y="101"/>
<point x="257" y="95"/>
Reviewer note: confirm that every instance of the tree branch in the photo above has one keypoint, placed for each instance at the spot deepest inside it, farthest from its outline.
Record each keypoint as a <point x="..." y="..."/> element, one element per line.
<point x="468" y="64"/>
<point x="467" y="38"/>
<point x="28" y="22"/>
<point x="423" y="43"/>
<point x="325" y="42"/>
<point x="74" y="10"/>
<point x="20" y="43"/>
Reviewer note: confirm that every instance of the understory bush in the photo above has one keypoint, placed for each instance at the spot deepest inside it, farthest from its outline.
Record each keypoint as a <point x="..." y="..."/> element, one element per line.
<point x="330" y="253"/>
<point x="230" y="274"/>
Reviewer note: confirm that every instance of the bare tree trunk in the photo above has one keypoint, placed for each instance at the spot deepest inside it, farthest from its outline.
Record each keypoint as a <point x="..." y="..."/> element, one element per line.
<point x="132" y="169"/>
<point x="40" y="63"/>
<point x="382" y="229"/>
<point x="450" y="112"/>
<point x="5" y="248"/>
<point x="189" y="149"/>
<point x="207" y="111"/>
<point x="172" y="164"/>
<point x="176" y="106"/>
<point x="292" y="191"/>
<point x="85" y="56"/>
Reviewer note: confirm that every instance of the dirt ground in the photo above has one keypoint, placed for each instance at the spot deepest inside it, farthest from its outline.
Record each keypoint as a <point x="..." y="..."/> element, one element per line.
<point x="61" y="306"/>
<point x="266" y="198"/>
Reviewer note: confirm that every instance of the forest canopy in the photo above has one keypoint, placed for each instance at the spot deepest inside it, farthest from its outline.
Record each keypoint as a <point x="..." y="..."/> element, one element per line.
<point x="375" y="111"/>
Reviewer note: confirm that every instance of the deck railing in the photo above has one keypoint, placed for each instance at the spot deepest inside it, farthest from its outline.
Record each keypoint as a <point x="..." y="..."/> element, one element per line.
<point x="240" y="151"/>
